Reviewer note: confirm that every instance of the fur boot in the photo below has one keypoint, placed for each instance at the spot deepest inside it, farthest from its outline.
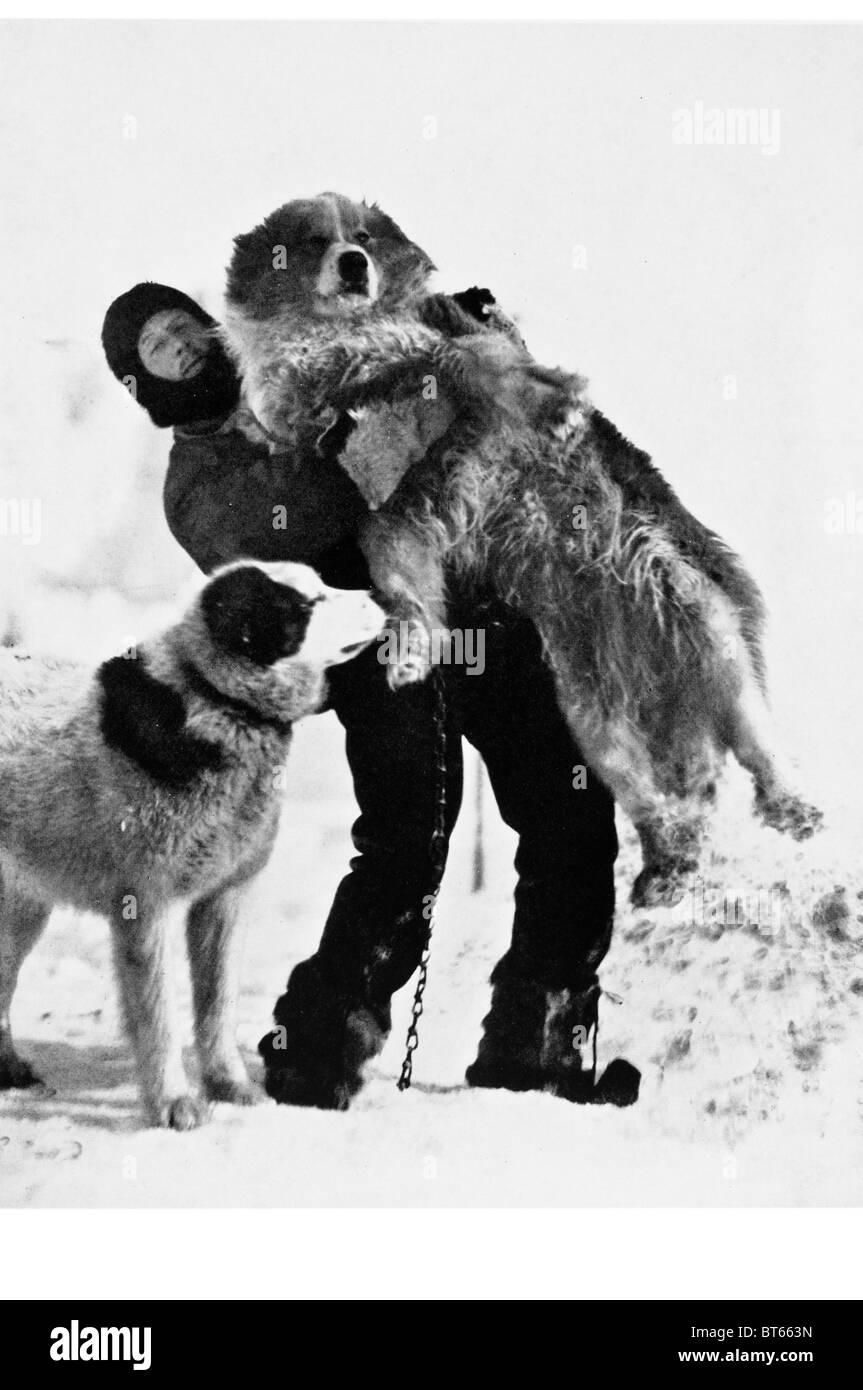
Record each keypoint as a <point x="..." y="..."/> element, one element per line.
<point x="539" y="1039"/>
<point x="316" y="1052"/>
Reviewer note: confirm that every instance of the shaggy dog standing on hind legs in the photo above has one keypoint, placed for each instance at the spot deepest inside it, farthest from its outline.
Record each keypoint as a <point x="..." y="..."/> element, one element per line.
<point x="651" y="624"/>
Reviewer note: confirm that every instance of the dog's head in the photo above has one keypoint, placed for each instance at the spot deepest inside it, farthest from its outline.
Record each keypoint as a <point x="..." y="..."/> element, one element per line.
<point x="274" y="614"/>
<point x="263" y="634"/>
<point x="324" y="258"/>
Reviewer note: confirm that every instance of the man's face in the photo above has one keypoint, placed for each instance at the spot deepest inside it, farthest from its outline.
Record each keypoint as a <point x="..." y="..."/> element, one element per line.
<point x="173" y="345"/>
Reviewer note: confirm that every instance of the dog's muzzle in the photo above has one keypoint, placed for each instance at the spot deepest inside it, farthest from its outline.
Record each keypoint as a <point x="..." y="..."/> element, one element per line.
<point x="347" y="274"/>
<point x="354" y="271"/>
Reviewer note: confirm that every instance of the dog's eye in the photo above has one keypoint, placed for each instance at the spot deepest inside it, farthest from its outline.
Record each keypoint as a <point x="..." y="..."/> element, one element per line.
<point x="362" y="238"/>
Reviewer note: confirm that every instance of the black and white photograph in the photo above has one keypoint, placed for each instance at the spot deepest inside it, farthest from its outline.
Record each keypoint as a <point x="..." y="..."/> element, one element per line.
<point x="431" y="609"/>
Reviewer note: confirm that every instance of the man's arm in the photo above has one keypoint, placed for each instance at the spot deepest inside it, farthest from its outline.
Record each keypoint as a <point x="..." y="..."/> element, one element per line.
<point x="228" y="499"/>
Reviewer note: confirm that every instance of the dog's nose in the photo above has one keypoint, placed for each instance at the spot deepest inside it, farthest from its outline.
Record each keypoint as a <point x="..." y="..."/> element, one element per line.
<point x="353" y="266"/>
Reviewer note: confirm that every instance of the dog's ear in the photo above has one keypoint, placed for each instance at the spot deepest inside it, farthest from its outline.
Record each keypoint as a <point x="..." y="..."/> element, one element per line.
<point x="252" y="254"/>
<point x="382" y="227"/>
<point x="381" y="224"/>
<point x="249" y="615"/>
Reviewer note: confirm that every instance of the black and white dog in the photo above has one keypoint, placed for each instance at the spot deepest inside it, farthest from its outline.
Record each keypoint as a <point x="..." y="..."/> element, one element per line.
<point x="155" y="779"/>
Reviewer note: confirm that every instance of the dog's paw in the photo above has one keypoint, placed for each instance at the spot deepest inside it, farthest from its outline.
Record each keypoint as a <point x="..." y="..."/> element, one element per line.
<point x="408" y="672"/>
<point x="789" y="814"/>
<point x="661" y="885"/>
<point x="16" y="1074"/>
<point x="414" y="659"/>
<point x="549" y="400"/>
<point x="180" y="1112"/>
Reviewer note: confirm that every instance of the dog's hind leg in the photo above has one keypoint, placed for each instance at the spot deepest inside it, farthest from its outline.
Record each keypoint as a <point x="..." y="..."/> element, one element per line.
<point x="742" y="721"/>
<point x="752" y="740"/>
<point x="669" y="823"/>
<point x="671" y="840"/>
<point x="22" y="920"/>
<point x="142" y="959"/>
<point x="215" y="948"/>
<point x="670" y="827"/>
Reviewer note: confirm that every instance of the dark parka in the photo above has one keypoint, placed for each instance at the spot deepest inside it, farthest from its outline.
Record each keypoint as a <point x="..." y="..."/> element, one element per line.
<point x="226" y="497"/>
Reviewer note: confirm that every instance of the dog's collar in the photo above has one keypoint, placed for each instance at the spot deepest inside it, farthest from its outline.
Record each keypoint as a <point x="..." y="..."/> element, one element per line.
<point x="199" y="685"/>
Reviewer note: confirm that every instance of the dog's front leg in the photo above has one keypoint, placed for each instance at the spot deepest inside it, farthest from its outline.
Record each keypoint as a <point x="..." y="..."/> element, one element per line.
<point x="141" y="956"/>
<point x="394" y="356"/>
<point x="486" y="374"/>
<point x="22" y="919"/>
<point x="215" y="948"/>
<point x="407" y="569"/>
<point x="393" y="359"/>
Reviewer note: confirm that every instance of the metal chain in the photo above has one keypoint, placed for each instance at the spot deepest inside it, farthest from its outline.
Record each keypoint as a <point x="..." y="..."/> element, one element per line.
<point x="437" y="854"/>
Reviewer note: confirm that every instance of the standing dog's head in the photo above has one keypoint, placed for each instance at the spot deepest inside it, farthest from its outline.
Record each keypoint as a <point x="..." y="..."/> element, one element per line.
<point x="254" y="645"/>
<point x="263" y="634"/>
<point x="323" y="258"/>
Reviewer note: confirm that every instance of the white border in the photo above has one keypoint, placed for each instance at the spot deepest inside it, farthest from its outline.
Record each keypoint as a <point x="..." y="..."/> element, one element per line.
<point x="461" y="11"/>
<point x="445" y="1255"/>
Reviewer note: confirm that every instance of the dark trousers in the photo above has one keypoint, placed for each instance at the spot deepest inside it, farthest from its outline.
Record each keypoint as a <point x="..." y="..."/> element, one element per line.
<point x="564" y="898"/>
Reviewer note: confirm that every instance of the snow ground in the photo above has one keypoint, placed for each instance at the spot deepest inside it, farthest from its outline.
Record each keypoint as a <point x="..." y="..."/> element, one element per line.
<point x="745" y="1035"/>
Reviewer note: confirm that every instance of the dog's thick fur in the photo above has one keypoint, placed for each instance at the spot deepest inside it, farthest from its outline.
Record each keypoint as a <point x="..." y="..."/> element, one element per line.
<point x="156" y="779"/>
<point x="650" y="622"/>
